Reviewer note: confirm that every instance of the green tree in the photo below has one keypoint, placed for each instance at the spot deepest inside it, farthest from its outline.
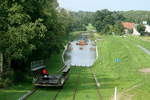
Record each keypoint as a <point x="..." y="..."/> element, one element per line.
<point x="106" y="20"/>
<point x="116" y="29"/>
<point x="81" y="20"/>
<point x="141" y="28"/>
<point x="31" y="30"/>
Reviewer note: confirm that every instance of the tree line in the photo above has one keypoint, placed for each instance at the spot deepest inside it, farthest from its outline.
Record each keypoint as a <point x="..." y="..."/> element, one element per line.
<point x="136" y="16"/>
<point x="109" y="22"/>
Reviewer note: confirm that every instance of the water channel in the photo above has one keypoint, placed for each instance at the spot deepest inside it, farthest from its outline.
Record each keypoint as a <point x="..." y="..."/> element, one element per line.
<point x="81" y="55"/>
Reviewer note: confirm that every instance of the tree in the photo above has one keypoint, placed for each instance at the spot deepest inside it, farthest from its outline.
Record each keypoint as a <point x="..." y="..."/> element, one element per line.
<point x="102" y="19"/>
<point x="141" y="28"/>
<point x="136" y="16"/>
<point x="15" y="41"/>
<point x="106" y="20"/>
<point x="31" y="30"/>
<point x="81" y="20"/>
<point x="116" y="29"/>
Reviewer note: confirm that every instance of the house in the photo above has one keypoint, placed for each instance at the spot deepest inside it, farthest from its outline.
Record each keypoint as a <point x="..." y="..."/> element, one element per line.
<point x="147" y="27"/>
<point x="130" y="26"/>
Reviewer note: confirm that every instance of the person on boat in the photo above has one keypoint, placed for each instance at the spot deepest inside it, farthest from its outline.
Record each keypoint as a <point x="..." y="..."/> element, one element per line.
<point x="44" y="73"/>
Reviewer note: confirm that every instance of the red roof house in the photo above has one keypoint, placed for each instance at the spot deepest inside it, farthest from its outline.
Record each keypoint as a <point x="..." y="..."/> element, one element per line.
<point x="128" y="25"/>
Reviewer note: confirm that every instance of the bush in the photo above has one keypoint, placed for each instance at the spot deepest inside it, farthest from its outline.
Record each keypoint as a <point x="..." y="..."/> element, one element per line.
<point x="5" y="83"/>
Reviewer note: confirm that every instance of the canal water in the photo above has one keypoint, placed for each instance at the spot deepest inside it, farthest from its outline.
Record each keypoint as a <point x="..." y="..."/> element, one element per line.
<point x="80" y="55"/>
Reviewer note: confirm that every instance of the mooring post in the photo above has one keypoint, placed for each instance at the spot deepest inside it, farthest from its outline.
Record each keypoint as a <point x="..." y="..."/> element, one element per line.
<point x="115" y="94"/>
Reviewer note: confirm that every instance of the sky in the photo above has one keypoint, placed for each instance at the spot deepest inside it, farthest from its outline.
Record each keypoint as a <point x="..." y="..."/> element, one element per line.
<point x="114" y="5"/>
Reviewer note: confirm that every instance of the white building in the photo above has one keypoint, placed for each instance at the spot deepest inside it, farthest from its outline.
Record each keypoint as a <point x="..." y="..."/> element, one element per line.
<point x="135" y="32"/>
<point x="147" y="28"/>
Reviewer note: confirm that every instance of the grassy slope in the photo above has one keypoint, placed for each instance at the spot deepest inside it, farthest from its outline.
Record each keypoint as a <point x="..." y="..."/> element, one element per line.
<point x="85" y="85"/>
<point x="142" y="92"/>
<point x="125" y="74"/>
<point x="140" y="41"/>
<point x="90" y="27"/>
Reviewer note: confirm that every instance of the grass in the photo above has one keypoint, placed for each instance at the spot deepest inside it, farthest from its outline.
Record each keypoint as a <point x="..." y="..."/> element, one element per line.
<point x="90" y="27"/>
<point x="14" y="92"/>
<point x="10" y="94"/>
<point x="125" y="74"/>
<point x="146" y="38"/>
<point x="53" y="63"/>
<point x="141" y="41"/>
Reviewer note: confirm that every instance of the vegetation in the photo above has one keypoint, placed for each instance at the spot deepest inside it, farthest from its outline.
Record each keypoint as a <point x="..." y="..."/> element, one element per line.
<point x="53" y="63"/>
<point x="136" y="16"/>
<point x="38" y="29"/>
<point x="81" y="20"/>
<point x="106" y="21"/>
<point x="30" y="30"/>
<point x="125" y="74"/>
<point x="141" y="28"/>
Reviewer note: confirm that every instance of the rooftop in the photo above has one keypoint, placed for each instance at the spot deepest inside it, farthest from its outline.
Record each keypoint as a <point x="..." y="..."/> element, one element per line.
<point x="128" y="25"/>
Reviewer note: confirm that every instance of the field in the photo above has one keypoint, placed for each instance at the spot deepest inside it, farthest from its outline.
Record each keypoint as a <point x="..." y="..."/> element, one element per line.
<point x="123" y="74"/>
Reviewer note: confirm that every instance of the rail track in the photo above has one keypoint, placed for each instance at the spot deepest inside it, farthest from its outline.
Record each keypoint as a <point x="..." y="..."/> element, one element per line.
<point x="28" y="94"/>
<point x="56" y="95"/>
<point x="75" y="89"/>
<point x="97" y="84"/>
<point x="33" y="90"/>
